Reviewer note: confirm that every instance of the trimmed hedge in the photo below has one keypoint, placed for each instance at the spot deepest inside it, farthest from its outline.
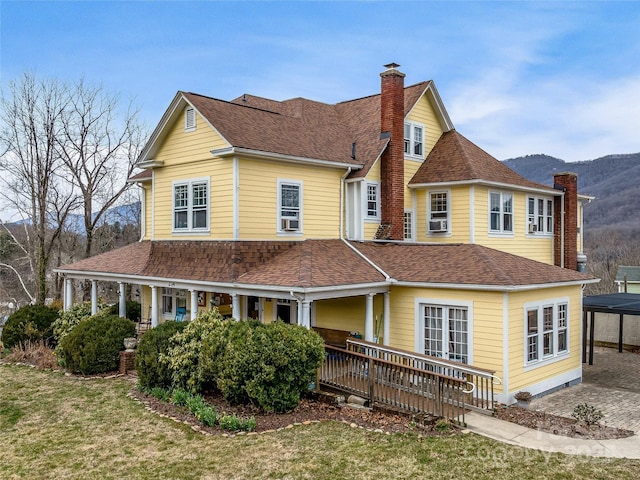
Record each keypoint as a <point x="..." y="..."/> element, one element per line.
<point x="270" y="365"/>
<point x="94" y="345"/>
<point x="31" y="323"/>
<point x="133" y="310"/>
<point x="152" y="372"/>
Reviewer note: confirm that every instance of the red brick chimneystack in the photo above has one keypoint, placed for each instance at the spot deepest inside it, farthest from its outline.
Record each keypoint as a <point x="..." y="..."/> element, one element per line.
<point x="568" y="182"/>
<point x="392" y="162"/>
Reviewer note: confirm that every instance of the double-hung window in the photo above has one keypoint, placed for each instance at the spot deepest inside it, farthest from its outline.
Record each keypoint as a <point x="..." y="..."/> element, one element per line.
<point x="414" y="140"/>
<point x="445" y="331"/>
<point x="539" y="215"/>
<point x="438" y="213"/>
<point x="546" y="331"/>
<point x="191" y="205"/>
<point x="501" y="212"/>
<point x="289" y="206"/>
<point x="408" y="225"/>
<point x="373" y="201"/>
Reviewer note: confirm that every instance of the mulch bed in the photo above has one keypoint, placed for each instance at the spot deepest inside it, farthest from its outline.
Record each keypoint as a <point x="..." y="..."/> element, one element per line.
<point x="557" y="425"/>
<point x="310" y="410"/>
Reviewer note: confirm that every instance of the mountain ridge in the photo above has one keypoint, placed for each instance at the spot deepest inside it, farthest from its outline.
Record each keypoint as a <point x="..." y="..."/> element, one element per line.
<point x="613" y="180"/>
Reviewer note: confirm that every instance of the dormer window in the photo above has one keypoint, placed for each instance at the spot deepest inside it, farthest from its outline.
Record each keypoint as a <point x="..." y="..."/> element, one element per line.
<point x="189" y="119"/>
<point x="414" y="140"/>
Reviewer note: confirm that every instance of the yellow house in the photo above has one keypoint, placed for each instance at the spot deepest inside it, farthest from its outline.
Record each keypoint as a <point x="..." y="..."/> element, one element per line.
<point x="372" y="215"/>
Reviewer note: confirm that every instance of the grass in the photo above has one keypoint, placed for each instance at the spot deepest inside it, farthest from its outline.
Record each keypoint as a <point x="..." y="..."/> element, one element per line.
<point x="54" y="426"/>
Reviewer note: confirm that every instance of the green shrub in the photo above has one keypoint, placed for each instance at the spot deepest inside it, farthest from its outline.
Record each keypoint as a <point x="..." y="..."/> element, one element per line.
<point x="207" y="415"/>
<point x="94" y="345"/>
<point x="267" y="365"/>
<point x="183" y="355"/>
<point x="32" y="323"/>
<point x="195" y="403"/>
<point x="160" y="393"/>
<point x="151" y="371"/>
<point x="179" y="397"/>
<point x="236" y="424"/>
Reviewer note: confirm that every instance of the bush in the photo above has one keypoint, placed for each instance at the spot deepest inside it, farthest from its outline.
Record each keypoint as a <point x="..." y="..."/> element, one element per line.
<point x="32" y="323"/>
<point x="151" y="371"/>
<point x="94" y="345"/>
<point x="267" y="365"/>
<point x="587" y="414"/>
<point x="183" y="355"/>
<point x="34" y="353"/>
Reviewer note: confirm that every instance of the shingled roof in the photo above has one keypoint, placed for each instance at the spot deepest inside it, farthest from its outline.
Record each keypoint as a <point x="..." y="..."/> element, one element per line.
<point x="322" y="263"/>
<point x="454" y="158"/>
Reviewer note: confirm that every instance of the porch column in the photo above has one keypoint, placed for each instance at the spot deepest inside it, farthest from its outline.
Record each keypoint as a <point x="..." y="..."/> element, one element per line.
<point x="306" y="313"/>
<point x="68" y="294"/>
<point x="194" y="304"/>
<point x="154" y="306"/>
<point x="94" y="297"/>
<point x="387" y="317"/>
<point x="235" y="306"/>
<point x="368" y="318"/>
<point x="123" y="301"/>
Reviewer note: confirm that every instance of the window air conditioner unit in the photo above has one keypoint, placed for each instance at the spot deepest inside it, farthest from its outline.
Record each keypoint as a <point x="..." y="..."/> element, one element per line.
<point x="437" y="225"/>
<point x="533" y="228"/>
<point x="290" y="224"/>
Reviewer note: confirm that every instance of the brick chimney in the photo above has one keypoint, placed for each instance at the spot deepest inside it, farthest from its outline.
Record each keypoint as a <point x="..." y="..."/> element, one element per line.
<point x="566" y="246"/>
<point x="392" y="161"/>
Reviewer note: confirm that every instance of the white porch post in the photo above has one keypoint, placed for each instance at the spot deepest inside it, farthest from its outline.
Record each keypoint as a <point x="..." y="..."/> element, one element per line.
<point x="68" y="294"/>
<point x="387" y="317"/>
<point x="368" y="318"/>
<point x="94" y="297"/>
<point x="306" y="313"/>
<point x="123" y="301"/>
<point x="235" y="306"/>
<point x="154" y="306"/>
<point x="194" y="304"/>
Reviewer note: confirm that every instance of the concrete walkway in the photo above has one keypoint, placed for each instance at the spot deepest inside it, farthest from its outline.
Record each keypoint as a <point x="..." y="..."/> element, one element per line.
<point x="611" y="384"/>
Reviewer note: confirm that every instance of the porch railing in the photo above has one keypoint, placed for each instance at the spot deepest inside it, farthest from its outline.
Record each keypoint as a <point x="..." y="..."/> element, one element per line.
<point x="394" y="385"/>
<point x="482" y="397"/>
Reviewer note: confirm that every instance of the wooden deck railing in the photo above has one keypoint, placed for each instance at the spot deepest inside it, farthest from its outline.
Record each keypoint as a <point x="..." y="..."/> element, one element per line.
<point x="394" y="385"/>
<point x="482" y="397"/>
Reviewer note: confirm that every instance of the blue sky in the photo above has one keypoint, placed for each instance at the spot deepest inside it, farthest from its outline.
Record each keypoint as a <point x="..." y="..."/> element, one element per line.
<point x="561" y="78"/>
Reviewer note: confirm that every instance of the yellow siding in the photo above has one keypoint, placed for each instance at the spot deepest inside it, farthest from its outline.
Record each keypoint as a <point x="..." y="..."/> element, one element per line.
<point x="371" y="227"/>
<point x="534" y="247"/>
<point x="320" y="204"/>
<point x="347" y="313"/>
<point x="521" y="377"/>
<point x="460" y="215"/>
<point x="220" y="174"/>
<point x="422" y="112"/>
<point x="187" y="155"/>
<point x="181" y="147"/>
<point x="486" y="321"/>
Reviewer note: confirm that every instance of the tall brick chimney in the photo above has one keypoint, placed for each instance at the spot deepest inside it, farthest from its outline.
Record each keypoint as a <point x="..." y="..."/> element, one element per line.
<point x="565" y="243"/>
<point x="392" y="161"/>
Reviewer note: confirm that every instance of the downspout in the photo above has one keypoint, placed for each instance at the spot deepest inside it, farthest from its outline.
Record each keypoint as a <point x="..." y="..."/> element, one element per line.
<point x="562" y="231"/>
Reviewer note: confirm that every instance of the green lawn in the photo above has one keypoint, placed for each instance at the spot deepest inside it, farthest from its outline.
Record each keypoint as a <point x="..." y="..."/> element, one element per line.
<point x="54" y="426"/>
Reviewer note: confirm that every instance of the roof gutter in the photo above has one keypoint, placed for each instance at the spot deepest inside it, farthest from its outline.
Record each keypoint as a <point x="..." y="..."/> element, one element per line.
<point x="262" y="155"/>
<point x="477" y="181"/>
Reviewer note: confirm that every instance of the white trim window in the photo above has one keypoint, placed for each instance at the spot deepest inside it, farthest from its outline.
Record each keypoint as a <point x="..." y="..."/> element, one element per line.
<point x="408" y="225"/>
<point x="438" y="212"/>
<point x="501" y="212"/>
<point x="445" y="331"/>
<point x="373" y="200"/>
<point x="189" y="119"/>
<point x="414" y="140"/>
<point x="289" y="206"/>
<point x="172" y="298"/>
<point x="546" y="331"/>
<point x="191" y="205"/>
<point x="540" y="215"/>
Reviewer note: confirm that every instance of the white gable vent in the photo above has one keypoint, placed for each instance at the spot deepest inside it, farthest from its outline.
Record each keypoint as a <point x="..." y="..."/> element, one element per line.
<point x="190" y="119"/>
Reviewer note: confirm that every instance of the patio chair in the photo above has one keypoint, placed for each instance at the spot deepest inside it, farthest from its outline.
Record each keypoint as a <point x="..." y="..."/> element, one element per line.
<point x="181" y="312"/>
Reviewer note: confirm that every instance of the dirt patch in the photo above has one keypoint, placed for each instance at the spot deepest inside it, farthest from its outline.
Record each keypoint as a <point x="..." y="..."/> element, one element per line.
<point x="557" y="425"/>
<point x="309" y="410"/>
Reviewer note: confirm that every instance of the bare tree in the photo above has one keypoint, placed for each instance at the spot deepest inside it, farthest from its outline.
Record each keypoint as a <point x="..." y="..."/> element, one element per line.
<point x="99" y="147"/>
<point x="33" y="186"/>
